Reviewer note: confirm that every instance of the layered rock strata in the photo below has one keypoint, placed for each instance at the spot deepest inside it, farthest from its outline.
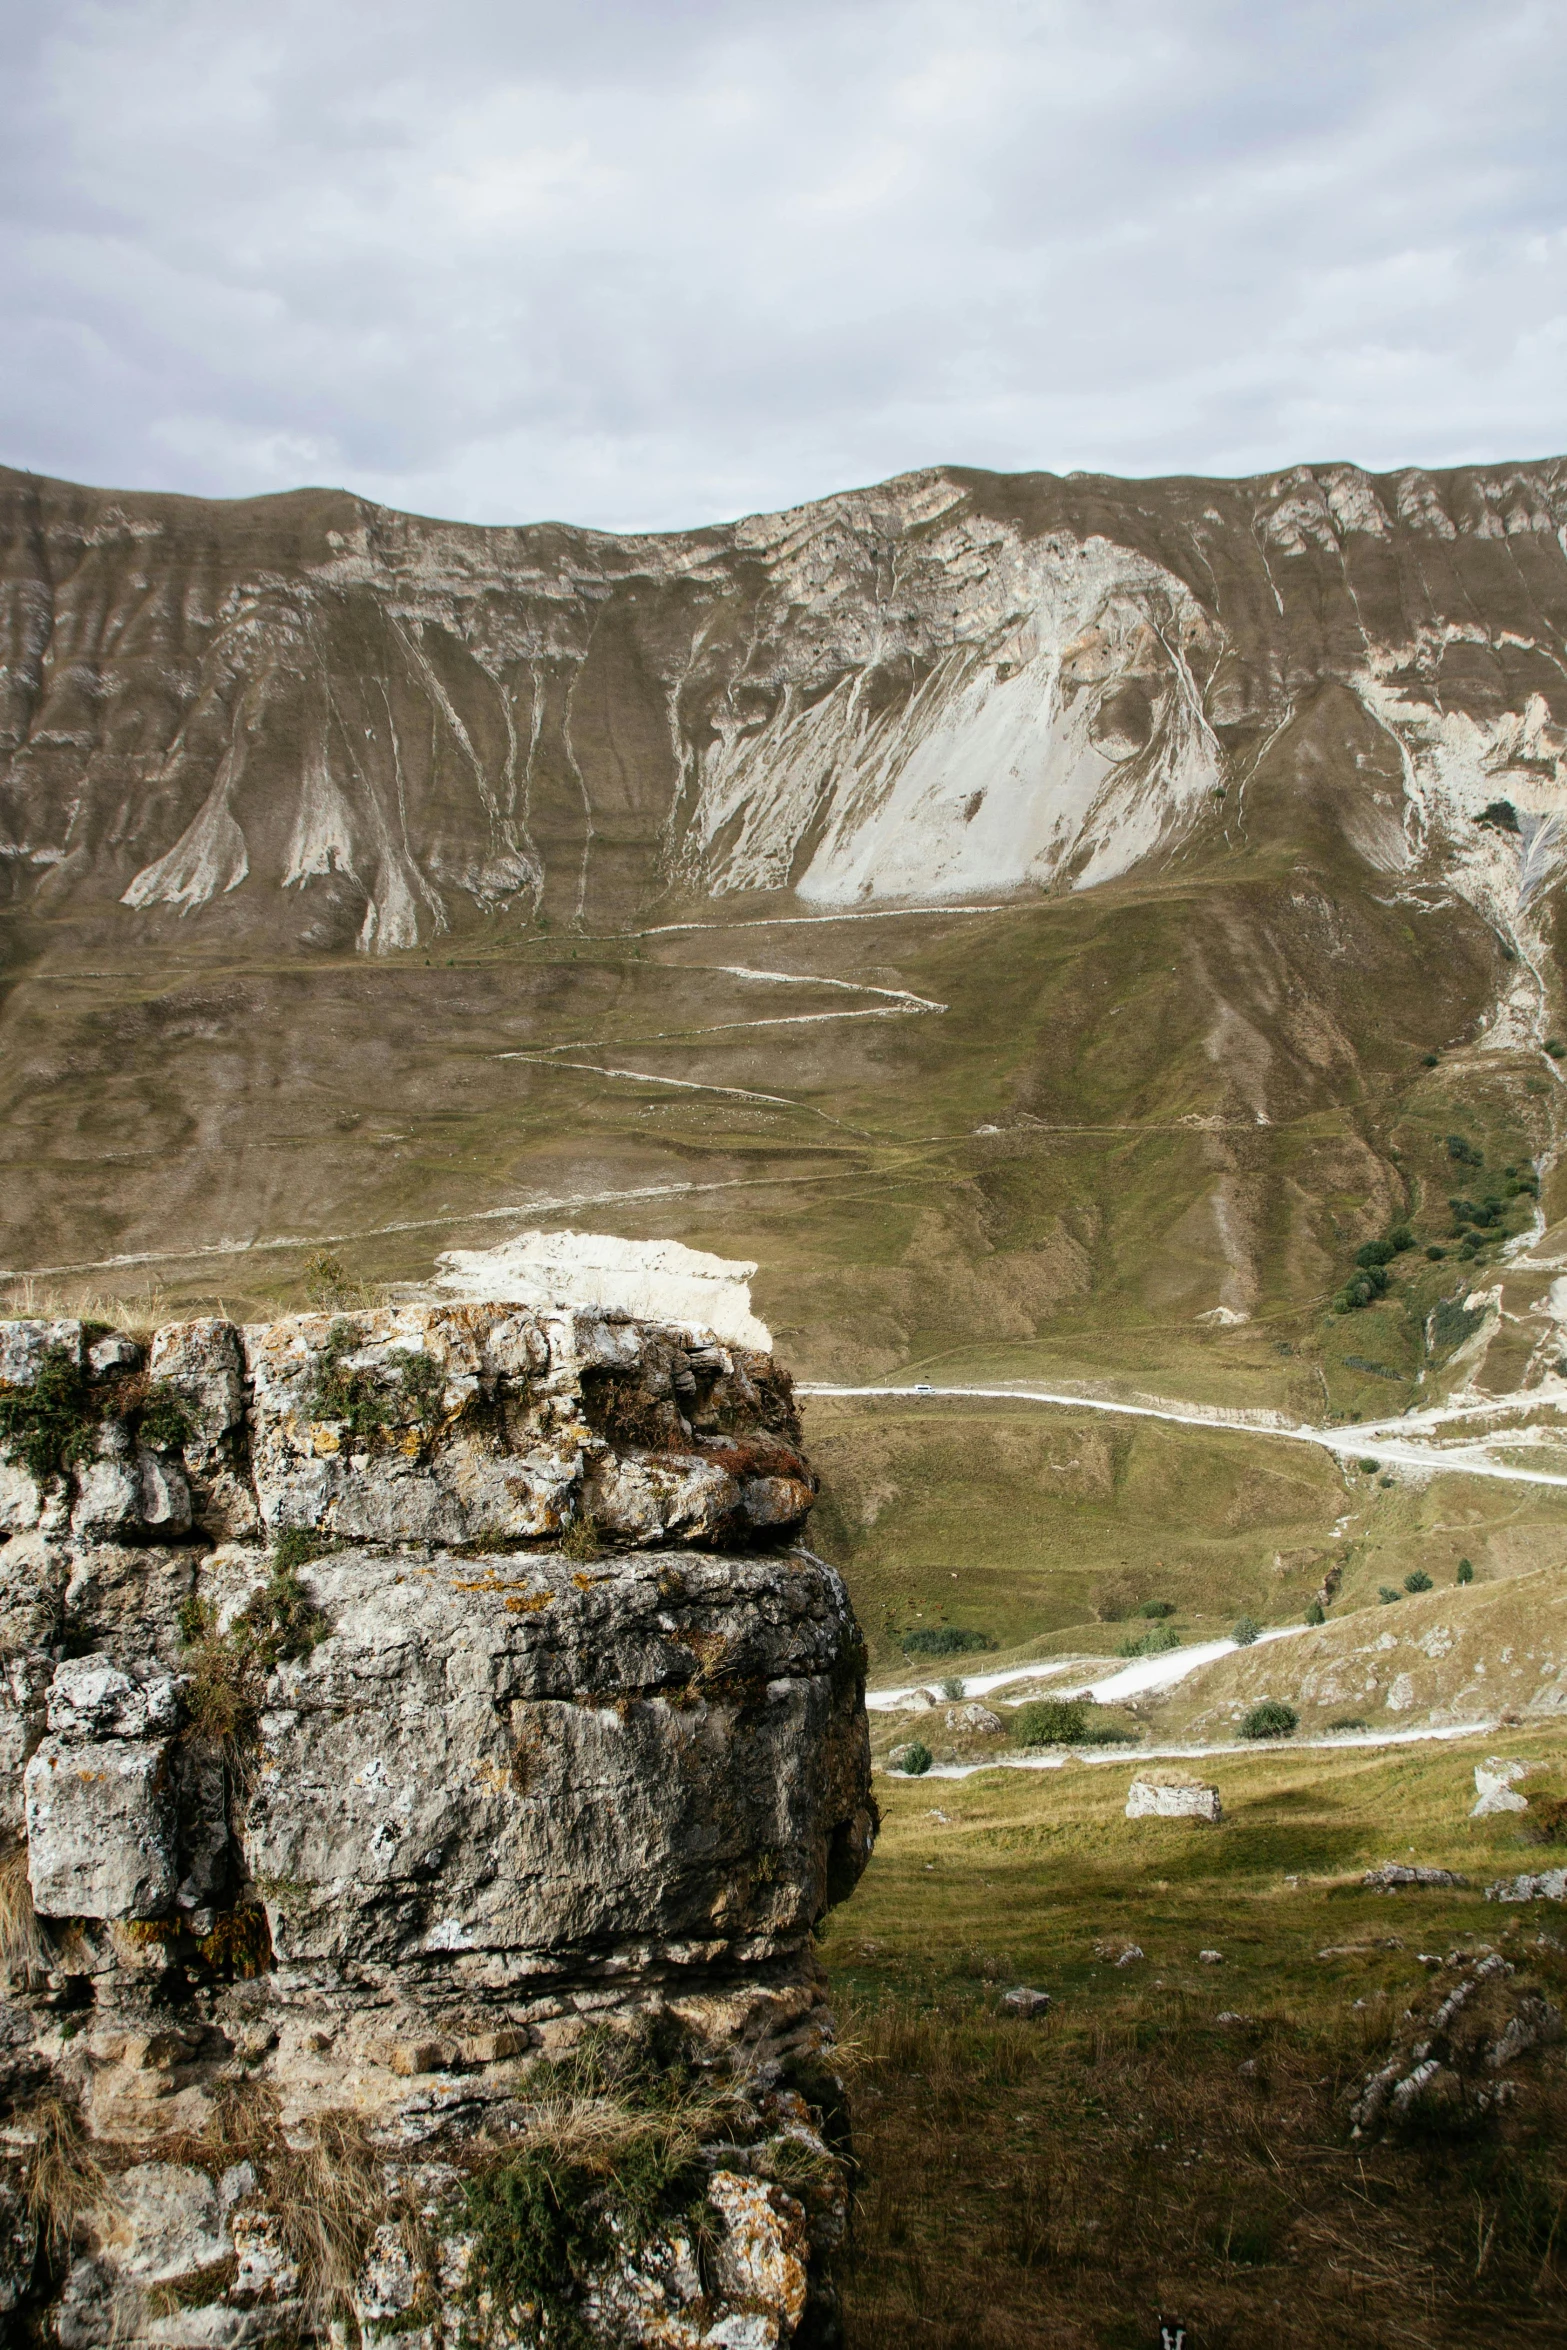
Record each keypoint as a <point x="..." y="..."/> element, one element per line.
<point x="425" y="1751"/>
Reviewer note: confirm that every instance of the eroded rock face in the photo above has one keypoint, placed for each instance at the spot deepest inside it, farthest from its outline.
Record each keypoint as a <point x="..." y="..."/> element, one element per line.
<point x="350" y="1862"/>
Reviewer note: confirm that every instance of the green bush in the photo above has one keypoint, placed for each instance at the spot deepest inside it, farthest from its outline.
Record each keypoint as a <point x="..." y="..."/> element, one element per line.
<point x="1368" y="1468"/>
<point x="163" y="1419"/>
<point x="951" y="1688"/>
<point x="1051" y="1721"/>
<point x="1316" y="1613"/>
<point x="1466" y="1573"/>
<point x="943" y="1640"/>
<point x="1459" y="1148"/>
<point x="1246" y="1630"/>
<point x="54" y="1423"/>
<point x="1158" y="1641"/>
<point x="1272" y="1718"/>
<point x="1387" y="1594"/>
<point x="917" y="1759"/>
<point x="1417" y="1580"/>
<point x="1067" y="1721"/>
<point x="1349" y="1722"/>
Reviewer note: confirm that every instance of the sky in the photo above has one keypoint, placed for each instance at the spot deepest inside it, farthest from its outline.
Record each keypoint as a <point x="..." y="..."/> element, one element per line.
<point x="650" y="263"/>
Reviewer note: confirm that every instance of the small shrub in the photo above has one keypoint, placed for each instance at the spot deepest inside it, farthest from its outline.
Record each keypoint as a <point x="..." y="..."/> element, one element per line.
<point x="1387" y="1594"/>
<point x="943" y="1640"/>
<point x="1316" y="1613"/>
<point x="1157" y="1609"/>
<point x="1247" y="1629"/>
<point x="423" y="1384"/>
<point x="917" y="1759"/>
<point x="1555" y="1047"/>
<point x="1067" y="1721"/>
<point x="951" y="1688"/>
<point x="1435" y="1255"/>
<point x="1050" y="1721"/>
<point x="1429" y="1060"/>
<point x="53" y="1424"/>
<point x="227" y="1671"/>
<point x="1459" y="1148"/>
<point x="1466" y="1573"/>
<point x="294" y="1547"/>
<point x="1368" y="1468"/>
<point x="1375" y="1253"/>
<point x="1272" y="1718"/>
<point x="1417" y="1580"/>
<point x="581" y="1540"/>
<point x="1349" y="1722"/>
<point x="1546" y="1822"/>
<point x="328" y="1282"/>
<point x="163" y="1418"/>
<point x="355" y="1400"/>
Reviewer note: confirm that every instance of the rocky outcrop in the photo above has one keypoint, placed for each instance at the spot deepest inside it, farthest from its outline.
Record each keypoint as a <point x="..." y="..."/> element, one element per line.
<point x="1173" y="1795"/>
<point x="426" y="1750"/>
<point x="1453" y="2063"/>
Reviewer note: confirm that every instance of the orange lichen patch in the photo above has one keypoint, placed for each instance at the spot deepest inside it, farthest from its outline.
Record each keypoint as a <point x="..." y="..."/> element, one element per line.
<point x="536" y="1599"/>
<point x="520" y="1597"/>
<point x="584" y="1582"/>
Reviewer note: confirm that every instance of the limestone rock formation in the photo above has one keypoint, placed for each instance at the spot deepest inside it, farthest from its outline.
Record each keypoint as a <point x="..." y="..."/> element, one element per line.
<point x="1172" y="1795"/>
<point x="425" y="1752"/>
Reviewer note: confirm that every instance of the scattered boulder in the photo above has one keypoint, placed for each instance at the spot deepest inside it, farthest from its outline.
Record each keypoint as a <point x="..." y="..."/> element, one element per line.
<point x="1020" y="2000"/>
<point x="1172" y="1795"/>
<point x="975" y="1721"/>
<point x="1210" y="1957"/>
<point x="1495" y="1787"/>
<point x="1533" y="1885"/>
<point x="1393" y="1877"/>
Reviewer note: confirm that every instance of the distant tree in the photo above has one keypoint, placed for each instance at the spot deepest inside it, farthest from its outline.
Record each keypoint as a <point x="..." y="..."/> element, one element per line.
<point x="1417" y="1580"/>
<point x="916" y="1759"/>
<point x="1315" y="1613"/>
<point x="1466" y="1573"/>
<point x="1247" y="1629"/>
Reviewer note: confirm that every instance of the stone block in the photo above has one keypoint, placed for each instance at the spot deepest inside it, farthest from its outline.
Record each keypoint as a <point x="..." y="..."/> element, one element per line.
<point x="1173" y="1795"/>
<point x="100" y="1828"/>
<point x="89" y="1698"/>
<point x="1496" y="1789"/>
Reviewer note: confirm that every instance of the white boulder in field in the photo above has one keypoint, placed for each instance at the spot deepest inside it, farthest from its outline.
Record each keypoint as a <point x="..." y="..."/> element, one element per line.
<point x="653" y="1280"/>
<point x="1172" y="1795"/>
<point x="1494" y="1787"/>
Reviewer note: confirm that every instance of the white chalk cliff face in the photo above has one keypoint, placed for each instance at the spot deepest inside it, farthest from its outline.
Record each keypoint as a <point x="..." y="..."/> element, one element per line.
<point x="653" y="1280"/>
<point x="312" y="712"/>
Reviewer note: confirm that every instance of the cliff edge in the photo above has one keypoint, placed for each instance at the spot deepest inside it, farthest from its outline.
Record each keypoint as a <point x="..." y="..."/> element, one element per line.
<point x="425" y="1751"/>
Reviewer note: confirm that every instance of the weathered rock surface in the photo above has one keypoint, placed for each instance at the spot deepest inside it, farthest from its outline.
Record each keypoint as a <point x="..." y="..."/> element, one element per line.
<point x="1172" y="1795"/>
<point x="1496" y="1787"/>
<point x="346" y="1872"/>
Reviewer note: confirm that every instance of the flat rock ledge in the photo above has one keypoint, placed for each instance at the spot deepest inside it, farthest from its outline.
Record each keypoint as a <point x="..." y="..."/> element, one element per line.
<point x="426" y="1750"/>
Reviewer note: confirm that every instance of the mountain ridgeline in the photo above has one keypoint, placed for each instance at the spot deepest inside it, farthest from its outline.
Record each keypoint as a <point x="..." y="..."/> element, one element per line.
<point x="352" y="726"/>
<point x="1012" y="907"/>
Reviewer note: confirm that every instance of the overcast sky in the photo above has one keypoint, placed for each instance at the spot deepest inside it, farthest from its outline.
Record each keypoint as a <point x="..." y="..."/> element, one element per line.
<point x="652" y="262"/>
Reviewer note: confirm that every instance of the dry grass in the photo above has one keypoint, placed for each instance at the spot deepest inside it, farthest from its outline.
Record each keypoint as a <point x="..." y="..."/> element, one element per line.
<point x="1031" y="2185"/>
<point x="1062" y="2182"/>
<point x="330" y="2196"/>
<point x="23" y="1950"/>
<point x="49" y="1301"/>
<point x="65" y="2183"/>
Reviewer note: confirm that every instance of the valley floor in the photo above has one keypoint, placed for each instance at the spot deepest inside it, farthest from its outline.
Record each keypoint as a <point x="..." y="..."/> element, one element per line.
<point x="1174" y="2136"/>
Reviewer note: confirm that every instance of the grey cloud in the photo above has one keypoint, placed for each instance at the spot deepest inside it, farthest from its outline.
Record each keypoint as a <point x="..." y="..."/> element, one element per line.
<point x="640" y="265"/>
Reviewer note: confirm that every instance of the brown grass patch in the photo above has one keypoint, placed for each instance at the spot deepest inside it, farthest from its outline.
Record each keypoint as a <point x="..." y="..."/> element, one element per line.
<point x="1028" y="2184"/>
